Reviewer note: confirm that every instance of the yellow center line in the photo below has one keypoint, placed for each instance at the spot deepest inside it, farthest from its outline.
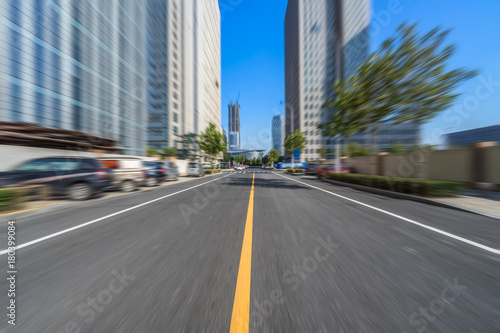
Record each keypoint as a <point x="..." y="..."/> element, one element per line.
<point x="241" y="307"/>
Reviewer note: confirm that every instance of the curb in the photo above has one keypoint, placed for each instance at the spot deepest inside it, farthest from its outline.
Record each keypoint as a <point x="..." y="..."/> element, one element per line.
<point x="404" y="196"/>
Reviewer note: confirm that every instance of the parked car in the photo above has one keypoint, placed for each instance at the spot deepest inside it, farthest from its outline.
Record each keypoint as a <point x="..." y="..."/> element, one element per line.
<point x="311" y="168"/>
<point x="324" y="170"/>
<point x="127" y="173"/>
<point x="155" y="173"/>
<point x="195" y="169"/>
<point x="172" y="170"/>
<point x="79" y="178"/>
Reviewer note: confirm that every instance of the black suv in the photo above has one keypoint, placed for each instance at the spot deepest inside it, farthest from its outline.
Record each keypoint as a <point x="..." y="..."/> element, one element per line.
<point x="79" y="178"/>
<point x="155" y="173"/>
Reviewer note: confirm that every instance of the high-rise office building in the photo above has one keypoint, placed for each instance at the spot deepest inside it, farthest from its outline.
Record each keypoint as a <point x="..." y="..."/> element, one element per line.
<point x="234" y="126"/>
<point x="77" y="65"/>
<point x="469" y="137"/>
<point x="183" y="69"/>
<point x="278" y="133"/>
<point x="325" y="40"/>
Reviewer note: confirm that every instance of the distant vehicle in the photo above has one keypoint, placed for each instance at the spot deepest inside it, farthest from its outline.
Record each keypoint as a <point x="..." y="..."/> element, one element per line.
<point x="324" y="170"/>
<point x="195" y="169"/>
<point x="310" y="168"/>
<point x="79" y="178"/>
<point x="127" y="173"/>
<point x="240" y="167"/>
<point x="207" y="165"/>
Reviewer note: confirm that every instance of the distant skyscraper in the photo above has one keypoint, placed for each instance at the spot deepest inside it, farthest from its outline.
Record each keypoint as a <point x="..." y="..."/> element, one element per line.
<point x="234" y="126"/>
<point x="183" y="69"/>
<point x="77" y="65"/>
<point x="278" y="133"/>
<point x="325" y="40"/>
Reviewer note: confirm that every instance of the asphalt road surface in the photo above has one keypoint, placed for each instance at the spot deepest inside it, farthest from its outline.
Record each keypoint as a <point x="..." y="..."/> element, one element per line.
<point x="257" y="251"/>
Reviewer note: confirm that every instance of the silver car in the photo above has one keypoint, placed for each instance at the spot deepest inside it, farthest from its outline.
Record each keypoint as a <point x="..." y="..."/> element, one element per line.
<point x="195" y="169"/>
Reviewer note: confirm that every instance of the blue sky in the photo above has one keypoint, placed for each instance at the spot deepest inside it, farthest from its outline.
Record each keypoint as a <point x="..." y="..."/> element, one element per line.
<point x="253" y="59"/>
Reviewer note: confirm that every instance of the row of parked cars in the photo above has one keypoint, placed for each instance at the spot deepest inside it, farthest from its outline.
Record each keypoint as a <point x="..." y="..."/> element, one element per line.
<point x="80" y="177"/>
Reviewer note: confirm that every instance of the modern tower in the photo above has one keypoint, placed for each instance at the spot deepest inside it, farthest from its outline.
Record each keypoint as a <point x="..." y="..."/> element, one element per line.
<point x="77" y="65"/>
<point x="325" y="40"/>
<point x="278" y="133"/>
<point x="183" y="69"/>
<point x="234" y="126"/>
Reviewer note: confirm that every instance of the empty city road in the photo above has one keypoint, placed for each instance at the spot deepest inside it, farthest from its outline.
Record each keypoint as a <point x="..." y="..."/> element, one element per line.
<point x="254" y="251"/>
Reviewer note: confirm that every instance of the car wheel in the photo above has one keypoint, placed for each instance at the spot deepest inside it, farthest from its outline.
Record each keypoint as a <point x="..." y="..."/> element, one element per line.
<point x="127" y="186"/>
<point x="80" y="191"/>
<point x="151" y="181"/>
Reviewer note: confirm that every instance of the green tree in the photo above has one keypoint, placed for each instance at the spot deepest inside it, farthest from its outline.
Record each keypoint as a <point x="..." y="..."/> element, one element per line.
<point x="265" y="160"/>
<point x="213" y="142"/>
<point x="259" y="161"/>
<point x="354" y="149"/>
<point x="243" y="159"/>
<point x="396" y="148"/>
<point x="322" y="152"/>
<point x="226" y="157"/>
<point x="406" y="79"/>
<point x="296" y="140"/>
<point x="237" y="159"/>
<point x="151" y="151"/>
<point x="273" y="156"/>
<point x="168" y="152"/>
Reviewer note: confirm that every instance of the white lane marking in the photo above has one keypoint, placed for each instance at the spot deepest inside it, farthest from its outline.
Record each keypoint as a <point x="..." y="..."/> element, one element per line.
<point x="439" y="231"/>
<point x="41" y="239"/>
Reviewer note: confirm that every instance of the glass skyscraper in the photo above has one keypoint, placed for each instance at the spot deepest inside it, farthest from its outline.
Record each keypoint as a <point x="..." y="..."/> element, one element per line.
<point x="278" y="133"/>
<point x="234" y="126"/>
<point x="76" y="64"/>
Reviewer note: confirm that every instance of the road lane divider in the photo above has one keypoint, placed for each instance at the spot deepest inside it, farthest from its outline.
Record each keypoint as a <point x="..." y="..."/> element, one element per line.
<point x="439" y="231"/>
<point x="41" y="239"/>
<point x="241" y="308"/>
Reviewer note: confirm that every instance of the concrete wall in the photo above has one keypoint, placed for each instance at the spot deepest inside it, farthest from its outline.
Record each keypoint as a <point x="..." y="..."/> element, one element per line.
<point x="474" y="165"/>
<point x="365" y="165"/>
<point x="492" y="164"/>
<point x="451" y="164"/>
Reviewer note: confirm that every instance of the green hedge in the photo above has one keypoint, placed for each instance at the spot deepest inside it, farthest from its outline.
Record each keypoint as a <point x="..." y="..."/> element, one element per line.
<point x="212" y="171"/>
<point x="426" y="188"/>
<point x="11" y="199"/>
<point x="295" y="170"/>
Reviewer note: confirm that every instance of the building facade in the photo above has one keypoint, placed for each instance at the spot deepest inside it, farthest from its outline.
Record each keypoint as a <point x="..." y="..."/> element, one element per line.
<point x="469" y="137"/>
<point x="77" y="65"/>
<point x="183" y="69"/>
<point x="249" y="154"/>
<point x="325" y="40"/>
<point x="234" y="126"/>
<point x="278" y="133"/>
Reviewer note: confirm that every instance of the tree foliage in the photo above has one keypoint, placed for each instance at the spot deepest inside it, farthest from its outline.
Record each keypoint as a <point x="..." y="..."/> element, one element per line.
<point x="151" y="151"/>
<point x="168" y="152"/>
<point x="212" y="142"/>
<point x="406" y="79"/>
<point x="273" y="156"/>
<point x="396" y="148"/>
<point x="296" y="140"/>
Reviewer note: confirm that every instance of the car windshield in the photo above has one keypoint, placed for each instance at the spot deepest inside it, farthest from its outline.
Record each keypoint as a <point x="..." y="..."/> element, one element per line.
<point x="193" y="165"/>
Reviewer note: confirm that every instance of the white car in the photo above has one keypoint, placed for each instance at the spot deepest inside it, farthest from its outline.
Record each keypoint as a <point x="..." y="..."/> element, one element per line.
<point x="240" y="167"/>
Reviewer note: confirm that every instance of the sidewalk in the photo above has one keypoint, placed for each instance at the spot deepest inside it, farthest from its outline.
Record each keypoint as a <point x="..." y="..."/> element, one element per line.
<point x="481" y="201"/>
